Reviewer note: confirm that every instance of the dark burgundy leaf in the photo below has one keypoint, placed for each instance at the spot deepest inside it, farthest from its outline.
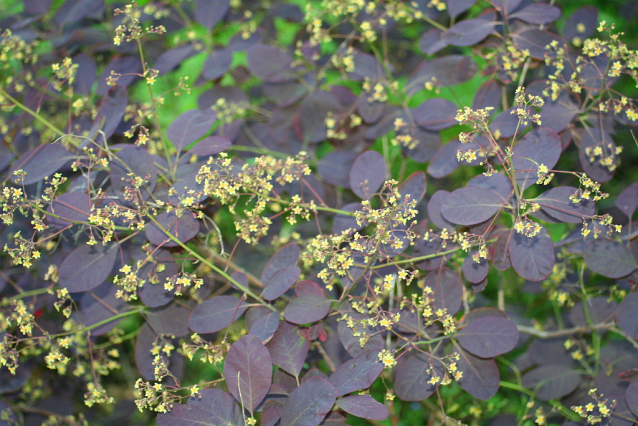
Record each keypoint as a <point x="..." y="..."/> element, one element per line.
<point x="183" y="228"/>
<point x="334" y="167"/>
<point x="539" y="146"/>
<point x="71" y="207"/>
<point x="537" y="13"/>
<point x="172" y="58"/>
<point x="432" y="41"/>
<point x="411" y="382"/>
<point x="488" y="337"/>
<point x="98" y="305"/>
<point x="287" y="255"/>
<point x="532" y="257"/>
<point x="599" y="310"/>
<point x="413" y="188"/>
<point x="551" y="381"/>
<point x="288" y="348"/>
<point x="557" y="204"/>
<point x="468" y="32"/>
<point x="535" y="41"/>
<point x="475" y="272"/>
<point x="436" y="114"/>
<point x="210" y="12"/>
<point x="481" y="378"/>
<point x="352" y="343"/>
<point x="169" y="319"/>
<point x="456" y="7"/>
<point x="210" y="146"/>
<point x="631" y="397"/>
<point x="367" y="174"/>
<point x="448" y="289"/>
<point x="475" y="314"/>
<point x="448" y="70"/>
<point x="40" y="162"/>
<point x="87" y="267"/>
<point x="216" y="314"/>
<point x="363" y="406"/>
<point x="488" y="95"/>
<point x="313" y="112"/>
<point x="280" y="282"/>
<point x="626" y="315"/>
<point x="213" y="408"/>
<point x="109" y="116"/>
<point x="434" y="210"/>
<point x="595" y="137"/>
<point x="248" y="371"/>
<point x="497" y="183"/>
<point x="308" y="288"/>
<point x="582" y="23"/>
<point x="190" y="126"/>
<point x="558" y="115"/>
<point x="627" y="200"/>
<point x="309" y="403"/>
<point x="217" y="64"/>
<point x="269" y="63"/>
<point x="307" y="309"/>
<point x="357" y="373"/>
<point x="264" y="328"/>
<point x="471" y="205"/>
<point x="505" y="125"/>
<point x="609" y="258"/>
<point x="136" y="160"/>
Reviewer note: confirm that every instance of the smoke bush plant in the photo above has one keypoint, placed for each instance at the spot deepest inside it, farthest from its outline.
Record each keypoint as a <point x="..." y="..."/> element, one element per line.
<point x="273" y="255"/>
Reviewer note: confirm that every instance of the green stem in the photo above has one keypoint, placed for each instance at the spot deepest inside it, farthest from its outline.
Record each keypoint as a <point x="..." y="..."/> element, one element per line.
<point x="557" y="405"/>
<point x="35" y="115"/>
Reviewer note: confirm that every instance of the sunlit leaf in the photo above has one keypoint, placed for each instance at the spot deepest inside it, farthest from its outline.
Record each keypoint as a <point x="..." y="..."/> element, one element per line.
<point x="248" y="371"/>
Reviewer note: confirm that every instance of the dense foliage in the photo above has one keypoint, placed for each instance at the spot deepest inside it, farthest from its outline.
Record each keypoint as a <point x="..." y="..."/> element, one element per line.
<point x="235" y="212"/>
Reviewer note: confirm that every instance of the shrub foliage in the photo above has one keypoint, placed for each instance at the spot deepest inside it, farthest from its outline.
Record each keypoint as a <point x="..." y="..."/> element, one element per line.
<point x="243" y="212"/>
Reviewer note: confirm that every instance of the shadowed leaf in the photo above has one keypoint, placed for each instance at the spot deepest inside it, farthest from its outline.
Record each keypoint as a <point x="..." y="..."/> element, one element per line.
<point x="488" y="337"/>
<point x="309" y="403"/>
<point x="288" y="348"/>
<point x="190" y="126"/>
<point x="626" y="315"/>
<point x="471" y="205"/>
<point x="363" y="406"/>
<point x="411" y="382"/>
<point x="40" y="162"/>
<point x="609" y="258"/>
<point x="539" y="146"/>
<point x="551" y="381"/>
<point x="367" y="174"/>
<point x="307" y="309"/>
<point x="532" y="257"/>
<point x="480" y="376"/>
<point x="216" y="314"/>
<point x="358" y="373"/>
<point x="280" y="282"/>
<point x="557" y="204"/>
<point x="87" y="267"/>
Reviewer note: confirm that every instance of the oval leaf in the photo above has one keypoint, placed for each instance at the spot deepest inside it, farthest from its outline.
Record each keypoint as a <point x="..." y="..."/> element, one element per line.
<point x="87" y="267"/>
<point x="436" y="114"/>
<point x="471" y="205"/>
<point x="551" y="381"/>
<point x="288" y="348"/>
<point x="183" y="228"/>
<point x="308" y="404"/>
<point x="532" y="257"/>
<point x="357" y="373"/>
<point x="280" y="282"/>
<point x="213" y="407"/>
<point x="480" y="376"/>
<point x="363" y="406"/>
<point x="539" y="146"/>
<point x="411" y="382"/>
<point x="488" y="337"/>
<point x="557" y="204"/>
<point x="626" y="315"/>
<point x="248" y="371"/>
<point x="190" y="126"/>
<point x="468" y="32"/>
<point x="609" y="258"/>
<point x="216" y="314"/>
<point x="367" y="174"/>
<point x="40" y="162"/>
<point x="306" y="309"/>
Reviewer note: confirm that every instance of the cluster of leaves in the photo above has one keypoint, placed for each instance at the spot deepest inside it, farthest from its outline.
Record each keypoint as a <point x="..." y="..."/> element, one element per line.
<point x="354" y="288"/>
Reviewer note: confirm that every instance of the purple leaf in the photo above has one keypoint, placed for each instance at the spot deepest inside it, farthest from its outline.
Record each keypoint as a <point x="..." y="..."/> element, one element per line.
<point x="217" y="64"/>
<point x="213" y="408"/>
<point x="169" y="319"/>
<point x="309" y="403"/>
<point x="448" y="289"/>
<point x="488" y="337"/>
<point x="535" y="41"/>
<point x="631" y="397"/>
<point x="370" y="111"/>
<point x="307" y="309"/>
<point x="248" y="371"/>
<point x="352" y="343"/>
<point x="190" y="126"/>
<point x="363" y="406"/>
<point x="456" y="7"/>
<point x="432" y="41"/>
<point x="269" y="63"/>
<point x="475" y="272"/>
<point x="596" y="137"/>
<point x="109" y="116"/>
<point x="557" y="204"/>
<point x="136" y="160"/>
<point x="627" y="200"/>
<point x="434" y="210"/>
<point x="609" y="258"/>
<point x="280" y="282"/>
<point x="537" y="13"/>
<point x="626" y="315"/>
<point x="264" y="328"/>
<point x="532" y="257"/>
<point x="183" y="228"/>
<point x="87" y="267"/>
<point x="505" y="124"/>
<point x="210" y="146"/>
<point x="308" y="288"/>
<point x="143" y="355"/>
<point x="313" y="112"/>
<point x="357" y="373"/>
<point x="471" y="205"/>
<point x="367" y="174"/>
<point x="586" y="17"/>
<point x="154" y="295"/>
<point x="40" y="162"/>
<point x="413" y="188"/>
<point x="599" y="310"/>
<point x="551" y="381"/>
<point x="488" y="95"/>
<point x="334" y="167"/>
<point x="129" y="66"/>
<point x="210" y="12"/>
<point x="216" y="314"/>
<point x="448" y="70"/>
<point x="71" y="207"/>
<point x="558" y="115"/>
<point x="411" y="381"/>
<point x="481" y="378"/>
<point x="98" y="305"/>
<point x="172" y="58"/>
<point x="468" y="32"/>
<point x="497" y="183"/>
<point x="287" y="255"/>
<point x="288" y="348"/>
<point x="539" y="146"/>
<point x="436" y="114"/>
